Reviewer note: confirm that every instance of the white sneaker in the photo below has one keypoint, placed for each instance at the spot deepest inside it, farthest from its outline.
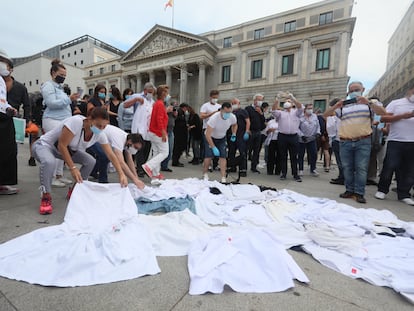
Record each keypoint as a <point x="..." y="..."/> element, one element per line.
<point x="379" y="195"/>
<point x="223" y="180"/>
<point x="57" y="183"/>
<point x="8" y="190"/>
<point x="155" y="182"/>
<point x="65" y="180"/>
<point x="205" y="177"/>
<point x="314" y="173"/>
<point x="408" y="201"/>
<point x="300" y="173"/>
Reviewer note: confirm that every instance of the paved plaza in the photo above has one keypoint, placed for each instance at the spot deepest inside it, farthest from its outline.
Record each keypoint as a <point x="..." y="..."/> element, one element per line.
<point x="327" y="290"/>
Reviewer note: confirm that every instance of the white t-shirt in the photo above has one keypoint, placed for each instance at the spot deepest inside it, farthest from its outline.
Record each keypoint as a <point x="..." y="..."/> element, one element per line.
<point x="219" y="125"/>
<point x="142" y="116"/>
<point x="3" y="96"/>
<point x="116" y="137"/>
<point x="208" y="108"/>
<point x="75" y="125"/>
<point x="402" y="130"/>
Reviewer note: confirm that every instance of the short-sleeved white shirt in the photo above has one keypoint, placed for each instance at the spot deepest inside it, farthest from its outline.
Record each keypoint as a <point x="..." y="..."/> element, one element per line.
<point x="219" y="125"/>
<point x="75" y="125"/>
<point x="208" y="108"/>
<point x="401" y="130"/>
<point x="116" y="137"/>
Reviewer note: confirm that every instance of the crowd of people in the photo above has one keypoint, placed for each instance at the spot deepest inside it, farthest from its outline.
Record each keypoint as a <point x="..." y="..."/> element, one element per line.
<point x="147" y="133"/>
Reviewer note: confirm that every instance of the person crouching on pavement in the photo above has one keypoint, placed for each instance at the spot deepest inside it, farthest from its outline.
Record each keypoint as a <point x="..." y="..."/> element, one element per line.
<point x="68" y="142"/>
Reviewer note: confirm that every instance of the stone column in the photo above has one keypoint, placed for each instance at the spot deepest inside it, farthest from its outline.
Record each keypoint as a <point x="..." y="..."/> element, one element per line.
<point x="126" y="82"/>
<point x="272" y="65"/>
<point x="305" y="67"/>
<point x="183" y="83"/>
<point x="244" y="74"/>
<point x="152" y="77"/>
<point x="138" y="84"/>
<point x="168" y="77"/>
<point x="201" y="83"/>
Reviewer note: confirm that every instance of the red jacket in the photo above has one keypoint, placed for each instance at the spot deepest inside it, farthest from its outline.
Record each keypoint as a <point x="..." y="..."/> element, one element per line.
<point x="159" y="118"/>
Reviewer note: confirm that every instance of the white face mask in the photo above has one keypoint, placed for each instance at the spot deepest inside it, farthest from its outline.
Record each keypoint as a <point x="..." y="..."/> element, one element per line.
<point x="214" y="100"/>
<point x="235" y="107"/>
<point x="4" y="72"/>
<point x="259" y="103"/>
<point x="287" y="105"/>
<point x="309" y="111"/>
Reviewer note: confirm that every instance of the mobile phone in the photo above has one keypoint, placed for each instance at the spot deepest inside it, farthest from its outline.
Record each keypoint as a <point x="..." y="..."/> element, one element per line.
<point x="349" y="101"/>
<point x="80" y="91"/>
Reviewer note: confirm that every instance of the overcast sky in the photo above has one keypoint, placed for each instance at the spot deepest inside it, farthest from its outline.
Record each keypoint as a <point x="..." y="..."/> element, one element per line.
<point x="28" y="27"/>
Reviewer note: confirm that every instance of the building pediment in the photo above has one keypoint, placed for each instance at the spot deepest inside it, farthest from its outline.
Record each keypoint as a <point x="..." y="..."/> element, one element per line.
<point x="162" y="40"/>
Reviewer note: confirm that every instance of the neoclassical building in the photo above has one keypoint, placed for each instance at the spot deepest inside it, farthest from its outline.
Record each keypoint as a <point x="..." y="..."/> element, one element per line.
<point x="303" y="51"/>
<point x="400" y="61"/>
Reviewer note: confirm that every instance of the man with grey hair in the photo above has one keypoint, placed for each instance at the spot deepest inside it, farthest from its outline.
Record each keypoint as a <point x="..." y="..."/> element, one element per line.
<point x="142" y="103"/>
<point x="257" y="124"/>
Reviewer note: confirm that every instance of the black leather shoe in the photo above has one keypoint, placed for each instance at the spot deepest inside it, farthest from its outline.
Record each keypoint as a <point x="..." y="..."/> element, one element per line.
<point x="337" y="181"/>
<point x="178" y="164"/>
<point x="32" y="161"/>
<point x="255" y="170"/>
<point x="166" y="170"/>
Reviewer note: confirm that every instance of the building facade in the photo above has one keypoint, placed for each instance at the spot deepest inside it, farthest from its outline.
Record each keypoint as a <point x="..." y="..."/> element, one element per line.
<point x="303" y="51"/>
<point x="33" y="70"/>
<point x="400" y="61"/>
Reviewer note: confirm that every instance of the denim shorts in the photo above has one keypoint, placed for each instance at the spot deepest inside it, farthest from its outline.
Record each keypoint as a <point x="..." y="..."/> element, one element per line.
<point x="221" y="145"/>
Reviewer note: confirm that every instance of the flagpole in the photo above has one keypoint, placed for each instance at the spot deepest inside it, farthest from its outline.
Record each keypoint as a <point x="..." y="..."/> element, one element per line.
<point x="172" y="17"/>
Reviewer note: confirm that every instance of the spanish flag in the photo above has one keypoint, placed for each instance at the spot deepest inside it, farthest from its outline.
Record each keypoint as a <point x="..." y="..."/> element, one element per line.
<point x="169" y="3"/>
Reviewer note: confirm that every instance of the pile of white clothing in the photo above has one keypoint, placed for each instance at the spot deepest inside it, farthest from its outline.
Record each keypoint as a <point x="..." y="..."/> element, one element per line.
<point x="100" y="241"/>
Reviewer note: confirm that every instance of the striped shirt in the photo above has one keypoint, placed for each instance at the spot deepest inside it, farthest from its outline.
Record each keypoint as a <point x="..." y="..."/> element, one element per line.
<point x="355" y="121"/>
<point x="309" y="127"/>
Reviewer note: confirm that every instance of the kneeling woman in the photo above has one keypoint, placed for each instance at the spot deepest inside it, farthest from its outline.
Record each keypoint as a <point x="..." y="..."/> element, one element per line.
<point x="68" y="141"/>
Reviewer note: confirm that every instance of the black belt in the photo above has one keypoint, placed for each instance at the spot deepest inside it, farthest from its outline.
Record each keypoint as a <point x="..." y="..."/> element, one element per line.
<point x="288" y="134"/>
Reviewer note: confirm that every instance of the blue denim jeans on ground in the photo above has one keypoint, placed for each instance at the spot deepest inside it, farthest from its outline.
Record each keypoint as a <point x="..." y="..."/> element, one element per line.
<point x="398" y="159"/>
<point x="164" y="164"/>
<point x="312" y="153"/>
<point x="355" y="159"/>
<point x="335" y="149"/>
<point x="101" y="166"/>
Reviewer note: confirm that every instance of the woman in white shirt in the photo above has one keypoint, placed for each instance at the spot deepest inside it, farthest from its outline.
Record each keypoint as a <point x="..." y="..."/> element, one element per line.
<point x="68" y="142"/>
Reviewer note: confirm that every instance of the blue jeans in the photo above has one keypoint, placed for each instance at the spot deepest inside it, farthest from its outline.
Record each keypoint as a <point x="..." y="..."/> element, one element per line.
<point x="101" y="166"/>
<point x="335" y="149"/>
<point x="310" y="147"/>
<point x="355" y="159"/>
<point x="398" y="159"/>
<point x="164" y="164"/>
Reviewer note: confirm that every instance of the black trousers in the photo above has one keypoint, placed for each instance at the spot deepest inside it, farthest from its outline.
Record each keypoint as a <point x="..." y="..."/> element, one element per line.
<point x="142" y="155"/>
<point x="274" y="164"/>
<point x="255" y="145"/>
<point x="289" y="143"/>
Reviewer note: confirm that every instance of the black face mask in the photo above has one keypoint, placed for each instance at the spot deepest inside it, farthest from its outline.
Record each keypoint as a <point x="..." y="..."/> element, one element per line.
<point x="59" y="79"/>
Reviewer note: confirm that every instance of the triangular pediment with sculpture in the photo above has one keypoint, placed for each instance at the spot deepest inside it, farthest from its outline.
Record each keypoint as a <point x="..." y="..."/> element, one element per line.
<point x="160" y="40"/>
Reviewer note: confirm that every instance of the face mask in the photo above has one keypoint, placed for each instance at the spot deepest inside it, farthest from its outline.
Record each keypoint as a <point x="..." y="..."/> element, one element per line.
<point x="235" y="107"/>
<point x="101" y="95"/>
<point x="111" y="96"/>
<point x="411" y="98"/>
<point x="95" y="130"/>
<point x="131" y="149"/>
<point x="187" y="113"/>
<point x="259" y="103"/>
<point x="149" y="96"/>
<point x="59" y="79"/>
<point x="214" y="100"/>
<point x="127" y="96"/>
<point x="309" y="111"/>
<point x="354" y="95"/>
<point x="226" y="115"/>
<point x="167" y="98"/>
<point x="4" y="72"/>
<point x="287" y="105"/>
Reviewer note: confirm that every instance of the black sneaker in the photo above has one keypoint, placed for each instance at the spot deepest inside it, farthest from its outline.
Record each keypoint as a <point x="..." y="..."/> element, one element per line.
<point x="359" y="198"/>
<point x="297" y="179"/>
<point x="371" y="183"/>
<point x="255" y="170"/>
<point x="32" y="161"/>
<point x="166" y="170"/>
<point x="347" y="195"/>
<point x="282" y="177"/>
<point x="337" y="181"/>
<point x="242" y="173"/>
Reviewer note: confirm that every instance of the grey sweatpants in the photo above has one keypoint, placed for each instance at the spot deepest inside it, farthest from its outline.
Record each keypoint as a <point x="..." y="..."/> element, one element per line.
<point x="47" y="155"/>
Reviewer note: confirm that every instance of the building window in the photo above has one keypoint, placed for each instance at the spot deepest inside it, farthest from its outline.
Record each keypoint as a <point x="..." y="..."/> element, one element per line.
<point x="325" y="18"/>
<point x="37" y="81"/>
<point x="322" y="59"/>
<point x="290" y="26"/>
<point x="81" y="50"/>
<point x="30" y="83"/>
<point x="225" y="74"/>
<point x="101" y="70"/>
<point x="81" y="62"/>
<point x="257" y="66"/>
<point x="74" y="52"/>
<point x="227" y="42"/>
<point x="90" y="73"/>
<point x="90" y="91"/>
<point x="319" y="105"/>
<point x="112" y="68"/>
<point x="68" y="54"/>
<point x="63" y="56"/>
<point x="258" y="33"/>
<point x="74" y="64"/>
<point x="287" y="64"/>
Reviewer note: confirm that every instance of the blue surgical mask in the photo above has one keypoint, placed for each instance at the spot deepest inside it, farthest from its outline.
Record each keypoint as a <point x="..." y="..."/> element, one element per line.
<point x="111" y="96"/>
<point x="354" y="95"/>
<point x="127" y="96"/>
<point x="167" y="98"/>
<point x="226" y="115"/>
<point x="101" y="95"/>
<point x="95" y="130"/>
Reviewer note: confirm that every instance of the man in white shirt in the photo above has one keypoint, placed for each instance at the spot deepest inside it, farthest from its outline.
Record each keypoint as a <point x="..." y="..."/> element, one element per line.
<point x="142" y="103"/>
<point x="215" y="144"/>
<point x="400" y="148"/>
<point x="206" y="111"/>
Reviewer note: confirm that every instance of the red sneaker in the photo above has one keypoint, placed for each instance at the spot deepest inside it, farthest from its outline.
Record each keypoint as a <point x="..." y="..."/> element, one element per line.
<point x="46" y="205"/>
<point x="160" y="176"/>
<point x="147" y="170"/>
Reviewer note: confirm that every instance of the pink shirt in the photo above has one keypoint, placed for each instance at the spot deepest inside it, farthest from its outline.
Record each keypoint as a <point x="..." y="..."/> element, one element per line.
<point x="288" y="120"/>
